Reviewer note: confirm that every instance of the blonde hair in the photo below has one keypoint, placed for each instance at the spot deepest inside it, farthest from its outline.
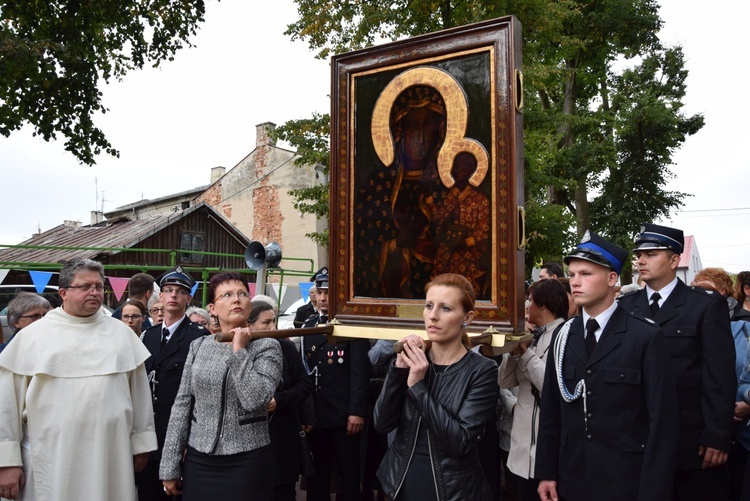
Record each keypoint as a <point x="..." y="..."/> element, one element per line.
<point x="467" y="296"/>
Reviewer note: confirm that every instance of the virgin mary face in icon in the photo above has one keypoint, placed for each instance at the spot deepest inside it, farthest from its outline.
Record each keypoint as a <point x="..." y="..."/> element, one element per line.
<point x="418" y="126"/>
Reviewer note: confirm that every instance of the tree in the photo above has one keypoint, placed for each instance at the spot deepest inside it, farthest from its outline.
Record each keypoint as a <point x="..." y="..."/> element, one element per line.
<point x="593" y="127"/>
<point x="54" y="54"/>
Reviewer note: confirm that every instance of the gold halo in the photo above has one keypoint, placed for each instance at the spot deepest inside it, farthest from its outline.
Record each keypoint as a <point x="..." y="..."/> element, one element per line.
<point x="457" y="116"/>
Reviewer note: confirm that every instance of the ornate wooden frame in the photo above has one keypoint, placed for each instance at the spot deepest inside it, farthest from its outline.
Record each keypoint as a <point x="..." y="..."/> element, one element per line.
<point x="476" y="70"/>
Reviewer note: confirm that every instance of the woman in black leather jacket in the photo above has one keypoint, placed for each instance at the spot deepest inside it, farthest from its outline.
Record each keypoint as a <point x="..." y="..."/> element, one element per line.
<point x="440" y="401"/>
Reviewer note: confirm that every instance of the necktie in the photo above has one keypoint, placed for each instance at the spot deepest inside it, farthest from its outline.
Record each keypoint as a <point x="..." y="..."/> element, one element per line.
<point x="591" y="327"/>
<point x="164" y="334"/>
<point x="323" y="319"/>
<point x="655" y="297"/>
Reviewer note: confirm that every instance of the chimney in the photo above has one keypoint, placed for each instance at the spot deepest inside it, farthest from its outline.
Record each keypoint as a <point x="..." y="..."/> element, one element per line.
<point x="263" y="134"/>
<point x="72" y="224"/>
<point x="217" y="173"/>
<point x="97" y="217"/>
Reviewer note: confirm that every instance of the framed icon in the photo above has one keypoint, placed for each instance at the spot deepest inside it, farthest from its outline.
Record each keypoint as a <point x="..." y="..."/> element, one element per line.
<point x="427" y="175"/>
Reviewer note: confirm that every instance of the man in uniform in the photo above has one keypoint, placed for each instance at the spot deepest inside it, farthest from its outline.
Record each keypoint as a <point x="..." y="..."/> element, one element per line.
<point x="696" y="329"/>
<point x="306" y="310"/>
<point x="341" y="375"/>
<point x="606" y="429"/>
<point x="169" y="344"/>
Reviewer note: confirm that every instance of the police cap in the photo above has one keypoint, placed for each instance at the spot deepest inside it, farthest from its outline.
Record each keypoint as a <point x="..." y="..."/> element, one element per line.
<point x="655" y="237"/>
<point x="600" y="251"/>
<point x="177" y="276"/>
<point x="321" y="278"/>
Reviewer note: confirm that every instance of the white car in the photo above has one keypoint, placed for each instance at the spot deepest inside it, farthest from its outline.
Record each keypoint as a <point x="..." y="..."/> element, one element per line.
<point x="286" y="319"/>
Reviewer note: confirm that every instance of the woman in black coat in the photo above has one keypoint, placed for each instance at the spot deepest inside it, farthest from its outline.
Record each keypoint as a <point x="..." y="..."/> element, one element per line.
<point x="283" y="410"/>
<point x="440" y="402"/>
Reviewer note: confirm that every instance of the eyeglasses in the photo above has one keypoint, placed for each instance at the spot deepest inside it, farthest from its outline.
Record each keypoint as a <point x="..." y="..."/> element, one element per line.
<point x="230" y="295"/>
<point x="181" y="292"/>
<point x="87" y="287"/>
<point x="34" y="317"/>
<point x="156" y="310"/>
<point x="132" y="317"/>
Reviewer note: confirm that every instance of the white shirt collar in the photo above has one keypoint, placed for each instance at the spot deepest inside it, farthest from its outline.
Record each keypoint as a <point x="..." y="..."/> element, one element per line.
<point x="172" y="328"/>
<point x="664" y="292"/>
<point x="602" y="319"/>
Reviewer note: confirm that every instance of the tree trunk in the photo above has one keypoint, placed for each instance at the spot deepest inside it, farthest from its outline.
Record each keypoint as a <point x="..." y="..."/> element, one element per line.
<point x="583" y="220"/>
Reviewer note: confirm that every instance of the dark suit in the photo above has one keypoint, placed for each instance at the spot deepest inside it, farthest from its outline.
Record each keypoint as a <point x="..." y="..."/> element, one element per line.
<point x="340" y="389"/>
<point x="303" y="313"/>
<point x="627" y="450"/>
<point x="284" y="424"/>
<point x="696" y="329"/>
<point x="164" y="367"/>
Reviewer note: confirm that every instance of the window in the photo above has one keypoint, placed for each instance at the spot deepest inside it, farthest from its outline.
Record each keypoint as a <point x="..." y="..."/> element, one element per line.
<point x="190" y="241"/>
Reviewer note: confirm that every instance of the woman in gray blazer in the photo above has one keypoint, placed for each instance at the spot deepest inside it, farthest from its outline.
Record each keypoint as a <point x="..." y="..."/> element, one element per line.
<point x="219" y="417"/>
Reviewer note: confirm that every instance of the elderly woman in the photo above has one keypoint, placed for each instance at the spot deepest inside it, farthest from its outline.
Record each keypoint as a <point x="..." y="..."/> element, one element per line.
<point x="219" y="414"/>
<point x="133" y="313"/>
<point x="156" y="309"/>
<point x="199" y="316"/>
<point x="285" y="406"/>
<point x="719" y="280"/>
<point x="439" y="401"/>
<point x="24" y="309"/>
<point x="524" y="368"/>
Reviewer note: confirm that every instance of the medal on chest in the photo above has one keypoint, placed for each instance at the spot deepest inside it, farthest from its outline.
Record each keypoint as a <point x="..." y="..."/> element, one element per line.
<point x="330" y="356"/>
<point x="340" y="353"/>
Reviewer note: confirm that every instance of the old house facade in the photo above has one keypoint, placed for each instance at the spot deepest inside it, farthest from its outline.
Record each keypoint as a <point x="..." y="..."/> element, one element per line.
<point x="254" y="196"/>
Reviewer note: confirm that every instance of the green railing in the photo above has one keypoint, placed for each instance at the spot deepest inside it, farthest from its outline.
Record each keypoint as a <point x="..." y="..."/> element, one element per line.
<point x="204" y="271"/>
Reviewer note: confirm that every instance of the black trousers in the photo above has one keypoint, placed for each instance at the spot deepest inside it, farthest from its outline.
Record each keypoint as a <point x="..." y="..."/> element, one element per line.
<point x="702" y="485"/>
<point x="332" y="446"/>
<point x="149" y="486"/>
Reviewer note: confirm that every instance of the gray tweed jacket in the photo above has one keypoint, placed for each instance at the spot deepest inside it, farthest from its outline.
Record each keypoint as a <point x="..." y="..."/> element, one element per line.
<point x="228" y="393"/>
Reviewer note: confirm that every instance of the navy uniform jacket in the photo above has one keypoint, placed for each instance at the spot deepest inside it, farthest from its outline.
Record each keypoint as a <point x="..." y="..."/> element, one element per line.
<point x="303" y="313"/>
<point x="340" y="387"/>
<point x="696" y="329"/>
<point x="628" y="449"/>
<point x="167" y="369"/>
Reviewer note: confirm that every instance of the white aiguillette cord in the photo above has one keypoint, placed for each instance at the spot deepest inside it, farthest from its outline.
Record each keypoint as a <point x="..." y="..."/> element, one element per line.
<point x="559" y="353"/>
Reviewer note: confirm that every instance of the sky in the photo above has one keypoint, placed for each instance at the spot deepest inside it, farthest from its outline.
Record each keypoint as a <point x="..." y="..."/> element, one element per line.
<point x="174" y="123"/>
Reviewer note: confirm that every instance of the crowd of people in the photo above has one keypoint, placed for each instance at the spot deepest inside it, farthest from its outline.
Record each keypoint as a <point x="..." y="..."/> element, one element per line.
<point x="624" y="395"/>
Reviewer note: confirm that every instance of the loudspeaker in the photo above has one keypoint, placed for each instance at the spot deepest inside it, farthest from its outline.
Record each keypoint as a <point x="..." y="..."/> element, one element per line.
<point x="256" y="255"/>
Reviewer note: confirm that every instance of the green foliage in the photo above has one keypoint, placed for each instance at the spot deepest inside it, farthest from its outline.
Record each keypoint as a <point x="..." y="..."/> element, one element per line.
<point x="598" y="137"/>
<point x="309" y="137"/>
<point x="54" y="54"/>
<point x="335" y="27"/>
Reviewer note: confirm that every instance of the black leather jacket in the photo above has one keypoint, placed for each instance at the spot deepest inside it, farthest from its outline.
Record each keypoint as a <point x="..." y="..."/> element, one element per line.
<point x="455" y="412"/>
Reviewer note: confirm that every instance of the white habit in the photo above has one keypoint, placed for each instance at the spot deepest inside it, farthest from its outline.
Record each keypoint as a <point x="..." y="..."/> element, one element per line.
<point x="75" y="407"/>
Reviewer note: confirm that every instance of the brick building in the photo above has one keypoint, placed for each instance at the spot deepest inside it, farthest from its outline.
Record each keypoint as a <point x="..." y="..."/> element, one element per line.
<point x="254" y="196"/>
